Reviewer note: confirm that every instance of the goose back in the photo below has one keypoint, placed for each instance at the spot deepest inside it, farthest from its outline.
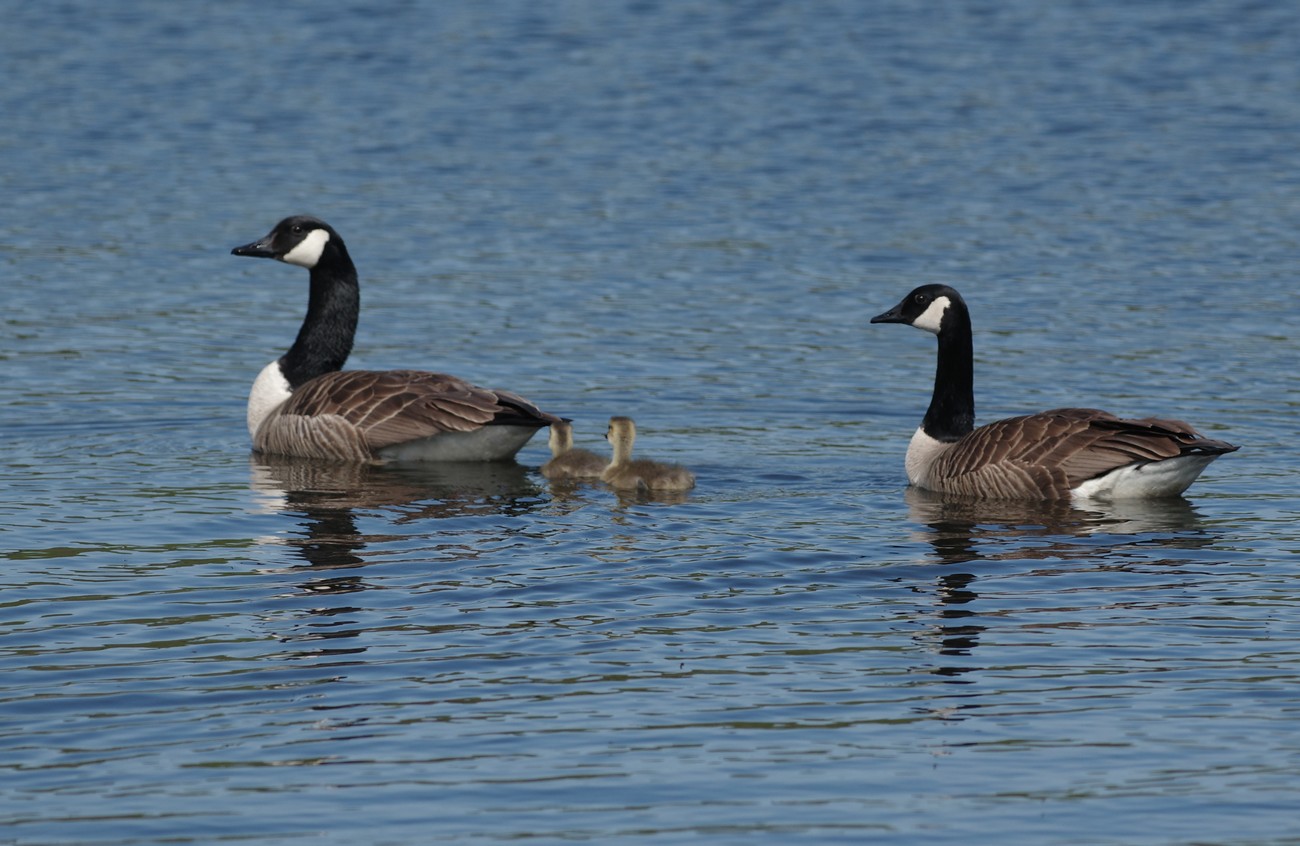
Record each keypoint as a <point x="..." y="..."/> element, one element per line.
<point x="393" y="414"/>
<point x="1050" y="455"/>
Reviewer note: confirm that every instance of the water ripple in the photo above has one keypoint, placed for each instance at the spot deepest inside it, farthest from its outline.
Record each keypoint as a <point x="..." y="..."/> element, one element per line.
<point x="687" y="213"/>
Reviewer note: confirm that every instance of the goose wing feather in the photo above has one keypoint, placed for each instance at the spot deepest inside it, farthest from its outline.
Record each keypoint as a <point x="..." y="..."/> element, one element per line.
<point x="1051" y="452"/>
<point x="388" y="407"/>
<point x="323" y="436"/>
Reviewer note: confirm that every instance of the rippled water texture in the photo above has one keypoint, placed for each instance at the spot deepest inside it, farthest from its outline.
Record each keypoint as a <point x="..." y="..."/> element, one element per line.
<point x="685" y="212"/>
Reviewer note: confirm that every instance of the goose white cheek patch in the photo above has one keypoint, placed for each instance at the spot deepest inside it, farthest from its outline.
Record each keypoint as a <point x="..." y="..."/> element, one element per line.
<point x="932" y="317"/>
<point x="308" y="252"/>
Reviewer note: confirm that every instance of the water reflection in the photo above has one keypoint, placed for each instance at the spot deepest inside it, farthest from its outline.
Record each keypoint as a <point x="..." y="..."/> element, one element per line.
<point x="956" y="633"/>
<point x="327" y="494"/>
<point x="1113" y="536"/>
<point x="328" y="497"/>
<point x="451" y="488"/>
<point x="963" y="530"/>
<point x="626" y="498"/>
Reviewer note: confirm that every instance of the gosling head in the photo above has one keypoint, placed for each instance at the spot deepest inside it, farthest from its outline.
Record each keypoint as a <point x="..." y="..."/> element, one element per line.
<point x="621" y="434"/>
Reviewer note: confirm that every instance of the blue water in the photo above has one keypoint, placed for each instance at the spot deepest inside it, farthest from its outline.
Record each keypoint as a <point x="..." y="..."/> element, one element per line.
<point x="686" y="212"/>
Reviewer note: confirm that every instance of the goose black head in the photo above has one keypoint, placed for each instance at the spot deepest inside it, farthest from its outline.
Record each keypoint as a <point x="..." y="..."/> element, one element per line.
<point x="302" y="240"/>
<point x="927" y="307"/>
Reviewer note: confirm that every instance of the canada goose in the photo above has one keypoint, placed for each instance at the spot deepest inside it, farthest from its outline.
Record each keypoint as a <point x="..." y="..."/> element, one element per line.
<point x="1058" y="454"/>
<point x="625" y="473"/>
<point x="567" y="462"/>
<point x="304" y="404"/>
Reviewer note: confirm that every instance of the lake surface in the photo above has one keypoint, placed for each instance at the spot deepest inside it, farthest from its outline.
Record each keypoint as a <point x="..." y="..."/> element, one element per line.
<point x="687" y="213"/>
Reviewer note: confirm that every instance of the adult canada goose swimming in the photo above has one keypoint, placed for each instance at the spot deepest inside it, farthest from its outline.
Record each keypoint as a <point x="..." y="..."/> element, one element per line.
<point x="569" y="463"/>
<point x="304" y="404"/>
<point x="1058" y="454"/>
<point x="625" y="473"/>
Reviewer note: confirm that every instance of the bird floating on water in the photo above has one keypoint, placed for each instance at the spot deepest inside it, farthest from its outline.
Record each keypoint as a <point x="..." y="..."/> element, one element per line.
<point x="1059" y="454"/>
<point x="305" y="404"/>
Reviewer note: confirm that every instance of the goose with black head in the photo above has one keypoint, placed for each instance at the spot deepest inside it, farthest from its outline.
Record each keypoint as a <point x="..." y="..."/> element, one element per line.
<point x="305" y="404"/>
<point x="1065" y="453"/>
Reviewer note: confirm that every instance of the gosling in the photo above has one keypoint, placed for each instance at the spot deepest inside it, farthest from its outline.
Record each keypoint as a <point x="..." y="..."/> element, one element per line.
<point x="567" y="463"/>
<point x="625" y="474"/>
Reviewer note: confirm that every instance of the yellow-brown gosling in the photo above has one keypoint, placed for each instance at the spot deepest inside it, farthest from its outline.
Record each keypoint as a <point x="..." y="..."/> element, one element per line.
<point x="568" y="463"/>
<point x="626" y="473"/>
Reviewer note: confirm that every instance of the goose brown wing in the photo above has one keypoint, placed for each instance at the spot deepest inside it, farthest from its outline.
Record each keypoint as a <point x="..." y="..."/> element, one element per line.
<point x="324" y="436"/>
<point x="390" y="407"/>
<point x="1051" y="452"/>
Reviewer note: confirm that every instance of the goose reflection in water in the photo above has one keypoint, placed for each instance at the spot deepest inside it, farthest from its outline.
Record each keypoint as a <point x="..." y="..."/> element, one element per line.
<point x="326" y="498"/>
<point x="960" y="532"/>
<point x="327" y="494"/>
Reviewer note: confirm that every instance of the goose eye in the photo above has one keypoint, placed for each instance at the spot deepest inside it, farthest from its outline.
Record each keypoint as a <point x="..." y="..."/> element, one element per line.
<point x="921" y="299"/>
<point x="296" y="229"/>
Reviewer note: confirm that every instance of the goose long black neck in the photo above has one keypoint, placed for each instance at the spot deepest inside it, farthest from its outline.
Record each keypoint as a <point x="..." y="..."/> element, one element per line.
<point x="333" y="304"/>
<point x="952" y="406"/>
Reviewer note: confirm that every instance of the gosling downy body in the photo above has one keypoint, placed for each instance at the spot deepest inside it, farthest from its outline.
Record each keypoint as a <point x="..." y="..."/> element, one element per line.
<point x="627" y="473"/>
<point x="304" y="404"/>
<point x="1065" y="453"/>
<point x="568" y="463"/>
